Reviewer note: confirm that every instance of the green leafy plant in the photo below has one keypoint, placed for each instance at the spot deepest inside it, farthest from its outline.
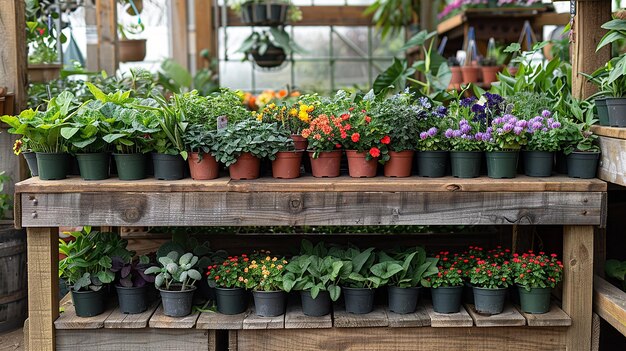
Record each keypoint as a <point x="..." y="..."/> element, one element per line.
<point x="176" y="271"/>
<point x="314" y="273"/>
<point x="617" y="270"/>
<point x="411" y="267"/>
<point x="131" y="273"/>
<point x="537" y="271"/>
<point x="198" y="139"/>
<point x="614" y="73"/>
<point x="184" y="242"/>
<point x="175" y="78"/>
<point x="356" y="272"/>
<point x="41" y="34"/>
<point x="173" y="123"/>
<point x="401" y="118"/>
<point x="392" y="16"/>
<point x="274" y="37"/>
<point x="543" y="132"/>
<point x="577" y="135"/>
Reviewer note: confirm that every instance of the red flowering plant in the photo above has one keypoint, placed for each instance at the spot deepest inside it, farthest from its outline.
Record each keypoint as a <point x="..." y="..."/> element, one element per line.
<point x="232" y="273"/>
<point x="324" y="134"/>
<point x="446" y="277"/>
<point x="366" y="134"/>
<point x="491" y="275"/>
<point x="533" y="271"/>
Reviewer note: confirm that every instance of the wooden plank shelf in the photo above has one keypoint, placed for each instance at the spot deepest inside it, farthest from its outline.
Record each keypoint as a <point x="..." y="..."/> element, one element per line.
<point x="509" y="317"/>
<point x="609" y="303"/>
<point x="459" y="19"/>
<point x="612" y="143"/>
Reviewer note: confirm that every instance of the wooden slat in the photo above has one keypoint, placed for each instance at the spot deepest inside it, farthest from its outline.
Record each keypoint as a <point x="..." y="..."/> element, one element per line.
<point x="419" y="318"/>
<point x="146" y="339"/>
<point x="106" y="11"/>
<point x="160" y="320"/>
<point x="611" y="132"/>
<point x="509" y="317"/>
<point x="214" y="320"/>
<point x="376" y="318"/>
<point x="119" y="320"/>
<point x="252" y="321"/>
<point x="612" y="166"/>
<point x="69" y="320"/>
<point x="554" y="318"/>
<point x="311" y="184"/>
<point x="295" y="319"/>
<point x="205" y="33"/>
<point x="448" y="320"/>
<point x="610" y="303"/>
<point x="179" y="32"/>
<point x="316" y="16"/>
<point x="13" y="61"/>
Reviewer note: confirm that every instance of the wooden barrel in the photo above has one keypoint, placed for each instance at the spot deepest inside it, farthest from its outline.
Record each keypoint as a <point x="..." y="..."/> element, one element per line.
<point x="13" y="280"/>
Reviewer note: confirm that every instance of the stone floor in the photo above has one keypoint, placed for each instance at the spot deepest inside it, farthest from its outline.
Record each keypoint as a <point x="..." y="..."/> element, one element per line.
<point x="12" y="340"/>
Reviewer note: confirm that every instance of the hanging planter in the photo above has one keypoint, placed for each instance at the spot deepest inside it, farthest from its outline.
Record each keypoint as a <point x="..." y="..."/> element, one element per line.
<point x="132" y="50"/>
<point x="44" y="72"/>
<point x="264" y="14"/>
<point x="269" y="49"/>
<point x="271" y="58"/>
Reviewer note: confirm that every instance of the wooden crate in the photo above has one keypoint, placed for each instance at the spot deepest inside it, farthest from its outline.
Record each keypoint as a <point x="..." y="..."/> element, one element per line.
<point x="613" y="158"/>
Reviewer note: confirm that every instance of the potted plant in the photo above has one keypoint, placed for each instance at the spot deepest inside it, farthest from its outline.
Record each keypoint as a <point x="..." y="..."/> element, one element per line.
<point x="457" y="76"/>
<point x="405" y="272"/>
<point x="446" y="289"/>
<point x="398" y="116"/>
<point x="614" y="82"/>
<point x="317" y="280"/>
<point x="42" y="37"/>
<point x="357" y="281"/>
<point x="466" y="149"/>
<point x="87" y="267"/>
<point x="432" y="155"/>
<point x="130" y="283"/>
<point x="579" y="145"/>
<point x="265" y="279"/>
<point x="542" y="144"/>
<point x="266" y="12"/>
<point x="505" y="136"/>
<point x="269" y="48"/>
<point x="229" y="279"/>
<point x="536" y="276"/>
<point x="324" y="136"/>
<point x="492" y="64"/>
<point x="490" y="281"/>
<point x="175" y="281"/>
<point x="200" y="142"/>
<point x="365" y="142"/>
<point x="131" y="50"/>
<point x="299" y="116"/>
<point x="20" y="147"/>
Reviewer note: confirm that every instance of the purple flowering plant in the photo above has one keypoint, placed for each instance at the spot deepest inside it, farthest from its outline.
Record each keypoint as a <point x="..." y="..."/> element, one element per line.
<point x="466" y="136"/>
<point x="543" y="133"/>
<point x="432" y="139"/>
<point x="506" y="133"/>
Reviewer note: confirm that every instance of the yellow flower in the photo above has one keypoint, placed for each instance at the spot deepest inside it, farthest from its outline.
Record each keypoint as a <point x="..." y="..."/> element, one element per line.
<point x="273" y="265"/>
<point x="310" y="109"/>
<point x="245" y="270"/>
<point x="268" y="258"/>
<point x="284" y="261"/>
<point x="253" y="262"/>
<point x="245" y="281"/>
<point x="304" y="107"/>
<point x="272" y="105"/>
<point x="303" y="116"/>
<point x="293" y="112"/>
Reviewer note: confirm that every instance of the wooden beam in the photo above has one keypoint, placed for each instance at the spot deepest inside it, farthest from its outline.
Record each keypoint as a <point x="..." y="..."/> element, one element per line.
<point x="107" y="35"/>
<point x="146" y="339"/>
<point x="315" y="16"/>
<point x="590" y="15"/>
<point x="612" y="166"/>
<point x="578" y="284"/>
<point x="13" y="51"/>
<point x="91" y="23"/>
<point x="179" y="32"/>
<point x="206" y="35"/>
<point x="610" y="303"/>
<point x="43" y="287"/>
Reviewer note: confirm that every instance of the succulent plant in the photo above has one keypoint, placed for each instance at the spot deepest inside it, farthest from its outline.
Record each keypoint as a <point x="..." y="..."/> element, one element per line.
<point x="175" y="271"/>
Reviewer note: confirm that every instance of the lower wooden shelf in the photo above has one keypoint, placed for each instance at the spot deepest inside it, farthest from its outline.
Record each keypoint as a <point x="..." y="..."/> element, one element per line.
<point x="609" y="303"/>
<point x="382" y="329"/>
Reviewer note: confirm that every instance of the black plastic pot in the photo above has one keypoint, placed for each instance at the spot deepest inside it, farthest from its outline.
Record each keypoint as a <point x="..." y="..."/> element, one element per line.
<point x="130" y="166"/>
<point x="269" y="303"/>
<point x="432" y="164"/>
<point x="447" y="299"/>
<point x="93" y="166"/>
<point x="582" y="165"/>
<point x="231" y="301"/>
<point x="259" y="14"/>
<point x="168" y="167"/>
<point x="273" y="57"/>
<point x="403" y="300"/>
<point x="177" y="303"/>
<point x="88" y="303"/>
<point x="51" y="166"/>
<point x="132" y="300"/>
<point x="466" y="164"/>
<point x="31" y="160"/>
<point x="535" y="300"/>
<point x="603" y="111"/>
<point x="318" y="306"/>
<point x="561" y="162"/>
<point x="538" y="163"/>
<point x="617" y="111"/>
<point x="358" y="300"/>
<point x="502" y="164"/>
<point x="489" y="301"/>
<point x="277" y="14"/>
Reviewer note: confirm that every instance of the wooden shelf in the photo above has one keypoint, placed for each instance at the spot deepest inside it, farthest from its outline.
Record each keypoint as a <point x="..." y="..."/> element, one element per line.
<point x="609" y="303"/>
<point x="612" y="143"/>
<point x="486" y="13"/>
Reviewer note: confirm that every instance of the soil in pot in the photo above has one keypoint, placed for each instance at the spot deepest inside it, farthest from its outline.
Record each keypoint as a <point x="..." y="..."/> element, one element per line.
<point x="490" y="74"/>
<point x="203" y="167"/>
<point x="132" y="300"/>
<point x="326" y="165"/>
<point x="168" y="167"/>
<point x="403" y="300"/>
<point x="603" y="111"/>
<point x="535" y="300"/>
<point x="231" y="301"/>
<point x="447" y="299"/>
<point x="400" y="164"/>
<point x="466" y="164"/>
<point x="432" y="164"/>
<point x="177" y="303"/>
<point x="617" y="111"/>
<point x="470" y="74"/>
<point x="247" y="167"/>
<point x="88" y="303"/>
<point x="358" y="300"/>
<point x="502" y="164"/>
<point x="287" y="165"/>
<point x="269" y="303"/>
<point x="582" y="165"/>
<point x="538" y="163"/>
<point x="489" y="301"/>
<point x="31" y="160"/>
<point x="359" y="166"/>
<point x="51" y="166"/>
<point x="130" y="166"/>
<point x="94" y="166"/>
<point x="318" y="306"/>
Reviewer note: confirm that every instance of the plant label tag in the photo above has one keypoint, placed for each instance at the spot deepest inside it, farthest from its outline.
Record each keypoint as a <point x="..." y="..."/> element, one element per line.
<point x="222" y="122"/>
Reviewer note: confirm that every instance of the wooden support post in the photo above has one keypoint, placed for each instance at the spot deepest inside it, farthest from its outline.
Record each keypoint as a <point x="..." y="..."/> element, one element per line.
<point x="206" y="35"/>
<point x="13" y="51"/>
<point x="107" y="35"/>
<point x="91" y="22"/>
<point x="179" y="33"/>
<point x="590" y="15"/>
<point x="43" y="287"/>
<point x="578" y="284"/>
<point x="599" y="255"/>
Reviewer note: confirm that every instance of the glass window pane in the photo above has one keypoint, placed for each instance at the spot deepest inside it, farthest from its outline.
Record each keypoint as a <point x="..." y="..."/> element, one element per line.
<point x="315" y="40"/>
<point x="234" y="37"/>
<point x="387" y="48"/>
<point x="236" y="75"/>
<point x="312" y="76"/>
<point x="350" y="42"/>
<point x="350" y="74"/>
<point x="274" y="78"/>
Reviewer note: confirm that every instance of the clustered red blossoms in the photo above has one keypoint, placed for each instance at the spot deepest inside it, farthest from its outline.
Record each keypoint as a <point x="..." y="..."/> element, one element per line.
<point x="537" y="271"/>
<point x="446" y="277"/>
<point x="491" y="275"/>
<point x="232" y="273"/>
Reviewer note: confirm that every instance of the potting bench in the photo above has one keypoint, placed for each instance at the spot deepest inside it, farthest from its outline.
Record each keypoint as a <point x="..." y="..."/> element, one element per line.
<point x="578" y="205"/>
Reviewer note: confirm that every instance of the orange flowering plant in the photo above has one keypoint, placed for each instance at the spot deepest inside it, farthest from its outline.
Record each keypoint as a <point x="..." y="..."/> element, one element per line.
<point x="265" y="273"/>
<point x="491" y="275"/>
<point x="325" y="134"/>
<point x="232" y="273"/>
<point x="537" y="271"/>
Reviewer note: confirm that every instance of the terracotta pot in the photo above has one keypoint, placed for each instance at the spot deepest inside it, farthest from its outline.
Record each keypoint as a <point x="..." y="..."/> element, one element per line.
<point x="470" y="74"/>
<point x="359" y="166"/>
<point x="43" y="73"/>
<point x="287" y="165"/>
<point x="513" y="71"/>
<point x="204" y="168"/>
<point x="457" y="77"/>
<point x="326" y="165"/>
<point x="299" y="142"/>
<point x="246" y="167"/>
<point x="490" y="74"/>
<point x="400" y="164"/>
<point x="132" y="50"/>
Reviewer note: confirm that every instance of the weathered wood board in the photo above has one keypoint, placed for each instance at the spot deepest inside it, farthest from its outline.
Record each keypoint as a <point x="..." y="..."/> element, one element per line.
<point x="448" y="320"/>
<point x="509" y="317"/>
<point x="344" y="319"/>
<point x="146" y="339"/>
<point x="296" y="319"/>
<point x="419" y="318"/>
<point x="610" y="303"/>
<point x="252" y="321"/>
<point x="554" y="318"/>
<point x="160" y="320"/>
<point x="119" y="320"/>
<point x="612" y="166"/>
<point x="213" y="320"/>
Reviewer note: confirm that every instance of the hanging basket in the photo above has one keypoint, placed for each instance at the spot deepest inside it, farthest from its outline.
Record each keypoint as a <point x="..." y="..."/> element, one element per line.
<point x="132" y="50"/>
<point x="273" y="57"/>
<point x="265" y="14"/>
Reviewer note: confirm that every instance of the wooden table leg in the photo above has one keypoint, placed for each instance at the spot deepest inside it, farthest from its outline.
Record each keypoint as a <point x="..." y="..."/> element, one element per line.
<point x="43" y="287"/>
<point x="578" y="284"/>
